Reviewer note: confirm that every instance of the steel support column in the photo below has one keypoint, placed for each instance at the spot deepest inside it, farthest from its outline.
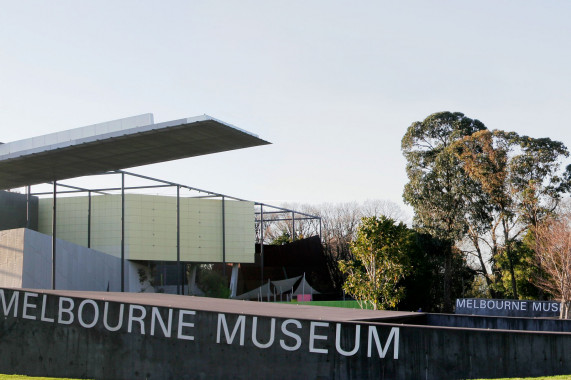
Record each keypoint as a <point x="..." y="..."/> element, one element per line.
<point x="178" y="268"/>
<point x="292" y="226"/>
<point x="262" y="243"/>
<point x="234" y="280"/>
<point x="122" y="232"/>
<point x="89" y="219"/>
<point x="223" y="238"/>
<point x="28" y="207"/>
<point x="54" y="228"/>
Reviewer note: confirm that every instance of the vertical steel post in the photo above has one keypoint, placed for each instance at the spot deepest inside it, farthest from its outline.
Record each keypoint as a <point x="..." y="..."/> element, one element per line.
<point x="292" y="226"/>
<point x="28" y="207"/>
<point x="178" y="268"/>
<point x="122" y="232"/>
<point x="54" y="204"/>
<point x="89" y="219"/>
<point x="262" y="242"/>
<point x="223" y="238"/>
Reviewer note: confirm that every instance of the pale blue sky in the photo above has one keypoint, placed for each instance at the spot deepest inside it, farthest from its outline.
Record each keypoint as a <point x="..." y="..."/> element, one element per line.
<point x="332" y="84"/>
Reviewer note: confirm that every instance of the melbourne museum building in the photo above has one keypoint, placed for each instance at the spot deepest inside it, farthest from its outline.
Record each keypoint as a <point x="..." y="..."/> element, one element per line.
<point x="98" y="268"/>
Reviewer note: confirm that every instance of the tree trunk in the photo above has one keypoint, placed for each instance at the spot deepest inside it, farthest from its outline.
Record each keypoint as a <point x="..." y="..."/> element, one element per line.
<point x="514" y="285"/>
<point x="482" y="264"/>
<point x="564" y="311"/>
<point x="512" y="271"/>
<point x="447" y="307"/>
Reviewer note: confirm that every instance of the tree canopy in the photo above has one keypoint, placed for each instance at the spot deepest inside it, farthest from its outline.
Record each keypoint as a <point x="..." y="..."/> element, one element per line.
<point x="520" y="179"/>
<point x="379" y="262"/>
<point x="483" y="188"/>
<point x="436" y="180"/>
<point x="437" y="183"/>
<point x="553" y="253"/>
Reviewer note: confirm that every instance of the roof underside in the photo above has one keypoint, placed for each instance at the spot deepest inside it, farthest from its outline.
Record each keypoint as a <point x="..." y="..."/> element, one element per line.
<point x="29" y="164"/>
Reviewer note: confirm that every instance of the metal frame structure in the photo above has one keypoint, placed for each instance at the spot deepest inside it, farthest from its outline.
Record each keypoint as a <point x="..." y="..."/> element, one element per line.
<point x="280" y="214"/>
<point x="277" y="214"/>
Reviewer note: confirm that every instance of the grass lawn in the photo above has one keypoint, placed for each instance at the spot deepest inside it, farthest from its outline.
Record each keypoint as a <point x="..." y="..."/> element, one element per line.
<point x="346" y="304"/>
<point x="17" y="377"/>
<point x="563" y="377"/>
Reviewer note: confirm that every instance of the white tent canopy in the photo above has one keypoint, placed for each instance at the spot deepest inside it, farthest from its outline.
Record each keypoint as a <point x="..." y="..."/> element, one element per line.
<point x="276" y="288"/>
<point x="260" y="292"/>
<point x="283" y="286"/>
<point x="304" y="288"/>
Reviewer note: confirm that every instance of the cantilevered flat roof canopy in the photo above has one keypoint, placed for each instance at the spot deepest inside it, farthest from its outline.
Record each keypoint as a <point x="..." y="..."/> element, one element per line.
<point x="115" y="145"/>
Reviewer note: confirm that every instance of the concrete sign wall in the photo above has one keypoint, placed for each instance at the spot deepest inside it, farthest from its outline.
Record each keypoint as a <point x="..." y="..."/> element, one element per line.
<point x="105" y="337"/>
<point x="25" y="261"/>
<point x="507" y="308"/>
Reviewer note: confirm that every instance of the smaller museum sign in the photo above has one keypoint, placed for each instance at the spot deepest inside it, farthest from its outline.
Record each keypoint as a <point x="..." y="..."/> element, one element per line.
<point x="507" y="308"/>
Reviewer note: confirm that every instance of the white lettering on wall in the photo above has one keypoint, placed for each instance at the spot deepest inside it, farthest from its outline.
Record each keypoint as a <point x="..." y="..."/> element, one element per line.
<point x="28" y="305"/>
<point x="263" y="335"/>
<point x="255" y="332"/>
<point x="513" y="306"/>
<point x="106" y="314"/>
<point x="383" y="351"/>
<point x="313" y="337"/>
<point x="338" y="341"/>
<point x="182" y="323"/>
<point x="95" y="313"/>
<point x="63" y="310"/>
<point x="13" y="303"/>
<point x="156" y="316"/>
<point x="240" y="324"/>
<point x="133" y="318"/>
<point x="293" y="335"/>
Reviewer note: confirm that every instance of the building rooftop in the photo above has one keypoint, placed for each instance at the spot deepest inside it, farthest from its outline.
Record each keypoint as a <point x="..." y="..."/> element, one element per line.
<point x="115" y="145"/>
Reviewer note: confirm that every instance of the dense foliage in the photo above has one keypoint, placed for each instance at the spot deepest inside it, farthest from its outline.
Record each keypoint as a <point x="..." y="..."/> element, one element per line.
<point x="424" y="283"/>
<point x="379" y="263"/>
<point x="479" y="197"/>
<point x="482" y="192"/>
<point x="437" y="184"/>
<point x="553" y="253"/>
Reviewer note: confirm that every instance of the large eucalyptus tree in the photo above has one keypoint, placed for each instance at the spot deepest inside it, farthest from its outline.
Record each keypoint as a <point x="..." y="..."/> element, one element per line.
<point x="522" y="180"/>
<point x="437" y="184"/>
<point x="488" y="187"/>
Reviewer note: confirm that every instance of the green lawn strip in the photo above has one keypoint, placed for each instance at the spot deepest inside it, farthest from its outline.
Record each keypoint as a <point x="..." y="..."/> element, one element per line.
<point x="346" y="304"/>
<point x="561" y="377"/>
<point x="17" y="377"/>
